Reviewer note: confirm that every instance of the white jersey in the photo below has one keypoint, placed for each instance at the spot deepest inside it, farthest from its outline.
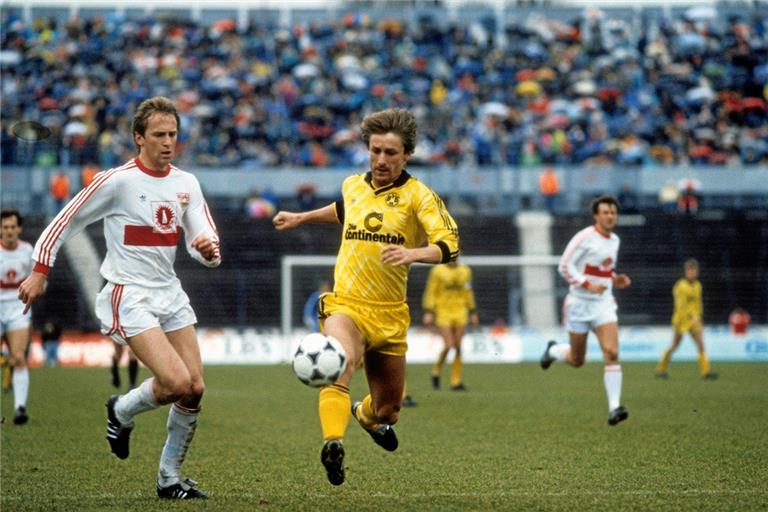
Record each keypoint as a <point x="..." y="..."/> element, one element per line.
<point x="15" y="266"/>
<point x="145" y="213"/>
<point x="590" y="257"/>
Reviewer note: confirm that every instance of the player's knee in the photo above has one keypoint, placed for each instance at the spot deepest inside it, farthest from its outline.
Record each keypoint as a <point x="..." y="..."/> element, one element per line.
<point x="611" y="356"/>
<point x="197" y="389"/>
<point x="17" y="360"/>
<point x="577" y="361"/>
<point x="179" y="388"/>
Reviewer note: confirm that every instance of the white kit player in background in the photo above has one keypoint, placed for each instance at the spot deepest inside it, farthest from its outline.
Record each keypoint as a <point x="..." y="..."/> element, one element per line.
<point x="15" y="266"/>
<point x="147" y="204"/>
<point x="588" y="265"/>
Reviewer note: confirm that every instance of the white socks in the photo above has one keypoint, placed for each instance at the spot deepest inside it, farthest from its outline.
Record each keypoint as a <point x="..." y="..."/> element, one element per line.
<point x="560" y="351"/>
<point x="612" y="381"/>
<point x="136" y="401"/>
<point x="181" y="424"/>
<point x="20" y="387"/>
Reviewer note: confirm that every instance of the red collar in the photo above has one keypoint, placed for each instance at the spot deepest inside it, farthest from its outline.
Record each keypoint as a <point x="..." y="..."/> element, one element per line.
<point x="147" y="170"/>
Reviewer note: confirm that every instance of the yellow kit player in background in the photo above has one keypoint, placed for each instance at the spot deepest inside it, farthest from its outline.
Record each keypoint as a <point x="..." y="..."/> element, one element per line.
<point x="389" y="220"/>
<point x="687" y="318"/>
<point x="449" y="303"/>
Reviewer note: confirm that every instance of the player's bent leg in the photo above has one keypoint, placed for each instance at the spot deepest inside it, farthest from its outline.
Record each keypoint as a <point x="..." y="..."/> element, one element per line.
<point x="182" y="420"/>
<point x="608" y="338"/>
<point x="381" y="408"/>
<point x="334" y="400"/>
<point x="661" y="368"/>
<point x="18" y="340"/>
<point x="457" y="368"/>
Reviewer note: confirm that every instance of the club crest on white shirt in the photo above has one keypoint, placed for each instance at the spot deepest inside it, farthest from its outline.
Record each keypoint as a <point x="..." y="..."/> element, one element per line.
<point x="183" y="198"/>
<point x="163" y="217"/>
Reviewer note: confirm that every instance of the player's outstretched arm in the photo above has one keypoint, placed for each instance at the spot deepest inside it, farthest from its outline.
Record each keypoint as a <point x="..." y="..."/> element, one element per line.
<point x="290" y="220"/>
<point x="32" y="288"/>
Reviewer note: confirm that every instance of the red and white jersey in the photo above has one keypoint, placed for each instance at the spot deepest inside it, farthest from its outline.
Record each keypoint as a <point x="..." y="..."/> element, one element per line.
<point x="15" y="266"/>
<point x="145" y="213"/>
<point x="590" y="257"/>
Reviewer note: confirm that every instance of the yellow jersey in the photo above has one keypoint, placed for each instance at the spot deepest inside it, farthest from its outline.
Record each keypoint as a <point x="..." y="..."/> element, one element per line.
<point x="405" y="212"/>
<point x="449" y="288"/>
<point x="688" y="304"/>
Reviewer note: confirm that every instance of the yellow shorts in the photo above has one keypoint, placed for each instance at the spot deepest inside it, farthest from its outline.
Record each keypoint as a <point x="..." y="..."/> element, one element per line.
<point x="383" y="326"/>
<point x="451" y="317"/>
<point x="685" y="325"/>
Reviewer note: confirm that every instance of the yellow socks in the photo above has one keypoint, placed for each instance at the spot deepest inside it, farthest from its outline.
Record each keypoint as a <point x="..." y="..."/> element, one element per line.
<point x="364" y="414"/>
<point x="662" y="366"/>
<point x="703" y="364"/>
<point x="438" y="368"/>
<point x="334" y="405"/>
<point x="456" y="371"/>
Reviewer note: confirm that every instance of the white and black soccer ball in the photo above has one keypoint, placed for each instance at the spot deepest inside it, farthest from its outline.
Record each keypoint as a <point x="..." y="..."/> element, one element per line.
<point x="319" y="360"/>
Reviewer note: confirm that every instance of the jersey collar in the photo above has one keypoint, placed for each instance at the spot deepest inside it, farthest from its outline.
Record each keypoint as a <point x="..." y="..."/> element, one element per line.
<point x="400" y="181"/>
<point x="146" y="170"/>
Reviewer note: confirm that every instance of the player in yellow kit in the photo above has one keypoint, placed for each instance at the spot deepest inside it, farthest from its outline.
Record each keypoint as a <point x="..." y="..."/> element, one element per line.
<point x="687" y="319"/>
<point x="449" y="303"/>
<point x="389" y="220"/>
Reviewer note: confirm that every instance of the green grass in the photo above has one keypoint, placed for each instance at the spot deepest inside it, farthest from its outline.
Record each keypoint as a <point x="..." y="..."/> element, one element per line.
<point x="519" y="439"/>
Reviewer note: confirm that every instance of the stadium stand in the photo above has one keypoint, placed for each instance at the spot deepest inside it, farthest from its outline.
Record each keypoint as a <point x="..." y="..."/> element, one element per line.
<point x="518" y="86"/>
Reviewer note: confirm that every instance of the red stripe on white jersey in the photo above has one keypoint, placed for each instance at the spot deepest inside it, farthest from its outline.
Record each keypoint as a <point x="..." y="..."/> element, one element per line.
<point x="592" y="270"/>
<point x="146" y="236"/>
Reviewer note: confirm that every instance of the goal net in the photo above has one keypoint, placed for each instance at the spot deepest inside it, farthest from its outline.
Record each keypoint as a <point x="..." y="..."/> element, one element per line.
<point x="515" y="290"/>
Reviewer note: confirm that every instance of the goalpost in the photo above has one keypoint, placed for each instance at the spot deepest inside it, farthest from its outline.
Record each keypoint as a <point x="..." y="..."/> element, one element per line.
<point x="530" y="280"/>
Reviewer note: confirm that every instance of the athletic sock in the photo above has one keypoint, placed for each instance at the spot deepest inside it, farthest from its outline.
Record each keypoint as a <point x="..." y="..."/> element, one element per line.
<point x="133" y="372"/>
<point x="456" y="370"/>
<point x="136" y="401"/>
<point x="437" y="369"/>
<point x="364" y="414"/>
<point x="333" y="407"/>
<point x="20" y="387"/>
<point x="703" y="364"/>
<point x="664" y="363"/>
<point x="181" y="425"/>
<point x="560" y="351"/>
<point x="612" y="381"/>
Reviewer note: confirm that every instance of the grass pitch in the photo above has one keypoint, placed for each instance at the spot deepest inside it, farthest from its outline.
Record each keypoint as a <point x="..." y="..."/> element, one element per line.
<point x="519" y="439"/>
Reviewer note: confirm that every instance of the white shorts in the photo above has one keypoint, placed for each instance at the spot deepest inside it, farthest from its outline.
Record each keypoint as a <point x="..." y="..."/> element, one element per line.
<point x="128" y="310"/>
<point x="581" y="315"/>
<point x="12" y="316"/>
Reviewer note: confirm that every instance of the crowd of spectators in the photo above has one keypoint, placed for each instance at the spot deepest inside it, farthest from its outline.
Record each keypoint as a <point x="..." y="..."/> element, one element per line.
<point x="526" y="92"/>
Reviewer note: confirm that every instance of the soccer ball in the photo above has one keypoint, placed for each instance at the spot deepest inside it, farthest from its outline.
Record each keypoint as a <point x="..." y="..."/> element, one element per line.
<point x="319" y="360"/>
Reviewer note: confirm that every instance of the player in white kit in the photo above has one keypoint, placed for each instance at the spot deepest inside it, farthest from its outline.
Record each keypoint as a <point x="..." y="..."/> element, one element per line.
<point x="588" y="265"/>
<point x="15" y="266"/>
<point x="147" y="205"/>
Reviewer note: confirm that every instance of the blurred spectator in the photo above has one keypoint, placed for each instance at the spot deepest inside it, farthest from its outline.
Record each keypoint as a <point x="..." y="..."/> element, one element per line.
<point x="87" y="173"/>
<point x="688" y="200"/>
<point x="306" y="196"/>
<point x="668" y="196"/>
<point x="549" y="186"/>
<point x="257" y="206"/>
<point x="628" y="199"/>
<point x="739" y="320"/>
<point x="60" y="189"/>
<point x="51" y="336"/>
